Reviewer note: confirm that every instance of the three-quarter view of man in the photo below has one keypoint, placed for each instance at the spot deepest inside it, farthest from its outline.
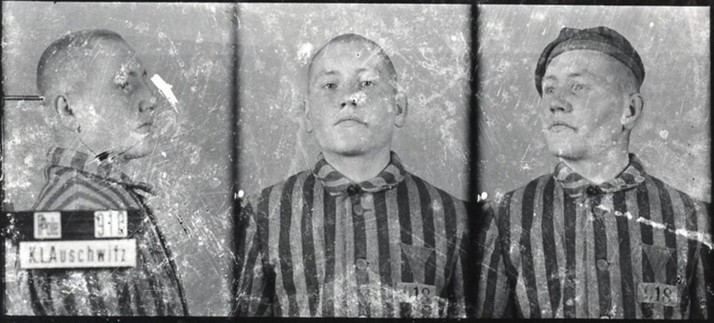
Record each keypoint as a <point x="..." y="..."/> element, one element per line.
<point x="598" y="237"/>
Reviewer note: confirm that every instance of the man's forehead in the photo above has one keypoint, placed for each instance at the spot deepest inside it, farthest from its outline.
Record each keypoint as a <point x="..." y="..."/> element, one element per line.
<point x="118" y="55"/>
<point x="104" y="54"/>
<point x="583" y="62"/>
<point x="357" y="55"/>
<point x="130" y="65"/>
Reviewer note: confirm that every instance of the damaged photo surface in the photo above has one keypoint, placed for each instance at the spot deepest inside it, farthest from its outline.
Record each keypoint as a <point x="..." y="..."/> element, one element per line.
<point x="116" y="160"/>
<point x="595" y="142"/>
<point x="353" y="145"/>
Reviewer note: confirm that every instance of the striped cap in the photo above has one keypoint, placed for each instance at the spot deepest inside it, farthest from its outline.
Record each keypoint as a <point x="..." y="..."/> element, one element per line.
<point x="601" y="39"/>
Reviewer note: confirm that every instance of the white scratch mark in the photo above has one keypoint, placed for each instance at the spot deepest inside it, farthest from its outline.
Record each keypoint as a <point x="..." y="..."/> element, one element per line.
<point x="702" y="237"/>
<point x="165" y="89"/>
<point x="664" y="134"/>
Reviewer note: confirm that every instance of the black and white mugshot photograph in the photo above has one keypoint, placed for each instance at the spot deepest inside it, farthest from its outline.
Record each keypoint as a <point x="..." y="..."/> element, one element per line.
<point x="353" y="160"/>
<point x="594" y="141"/>
<point x="116" y="159"/>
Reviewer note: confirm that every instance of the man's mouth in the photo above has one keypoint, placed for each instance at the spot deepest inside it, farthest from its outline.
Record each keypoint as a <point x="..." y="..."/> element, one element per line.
<point x="145" y="127"/>
<point x="350" y="122"/>
<point x="559" y="126"/>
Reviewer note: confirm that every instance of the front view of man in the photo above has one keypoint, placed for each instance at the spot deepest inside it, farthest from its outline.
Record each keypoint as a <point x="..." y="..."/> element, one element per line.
<point x="357" y="235"/>
<point x="599" y="237"/>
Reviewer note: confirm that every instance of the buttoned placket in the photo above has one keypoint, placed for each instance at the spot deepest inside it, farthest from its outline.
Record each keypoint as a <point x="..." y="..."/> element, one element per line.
<point x="596" y="243"/>
<point x="356" y="279"/>
<point x="596" y="206"/>
<point x="359" y="260"/>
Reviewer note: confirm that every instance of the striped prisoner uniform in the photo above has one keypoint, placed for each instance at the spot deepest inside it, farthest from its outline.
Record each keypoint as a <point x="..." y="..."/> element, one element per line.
<point x="76" y="181"/>
<point x="561" y="247"/>
<point x="319" y="245"/>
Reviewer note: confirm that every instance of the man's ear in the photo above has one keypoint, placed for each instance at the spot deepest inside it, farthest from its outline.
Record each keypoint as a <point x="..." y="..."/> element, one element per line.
<point x="632" y="111"/>
<point x="402" y="108"/>
<point x="306" y="116"/>
<point x="65" y="112"/>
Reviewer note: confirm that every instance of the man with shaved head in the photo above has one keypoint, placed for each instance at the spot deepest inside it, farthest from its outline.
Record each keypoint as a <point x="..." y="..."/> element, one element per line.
<point x="599" y="237"/>
<point x="357" y="235"/>
<point x="97" y="90"/>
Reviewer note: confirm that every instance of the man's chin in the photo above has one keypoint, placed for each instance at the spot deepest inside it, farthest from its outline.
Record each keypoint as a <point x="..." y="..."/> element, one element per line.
<point x="139" y="151"/>
<point x="349" y="152"/>
<point x="564" y="151"/>
<point x="346" y="150"/>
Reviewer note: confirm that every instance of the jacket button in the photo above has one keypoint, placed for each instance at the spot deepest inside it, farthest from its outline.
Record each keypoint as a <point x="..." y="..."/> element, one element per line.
<point x="592" y="190"/>
<point x="361" y="264"/>
<point x="357" y="209"/>
<point x="602" y="264"/>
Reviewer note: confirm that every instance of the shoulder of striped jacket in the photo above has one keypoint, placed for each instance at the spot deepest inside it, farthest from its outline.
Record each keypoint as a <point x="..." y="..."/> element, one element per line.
<point x="252" y="200"/>
<point x="460" y="206"/>
<point x="439" y="190"/>
<point x="504" y="197"/>
<point x="649" y="177"/>
<point x="82" y="192"/>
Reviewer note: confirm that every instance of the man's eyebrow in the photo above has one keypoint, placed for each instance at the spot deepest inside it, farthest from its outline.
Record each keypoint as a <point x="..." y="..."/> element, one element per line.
<point x="583" y="73"/>
<point x="362" y="70"/>
<point x="325" y="73"/>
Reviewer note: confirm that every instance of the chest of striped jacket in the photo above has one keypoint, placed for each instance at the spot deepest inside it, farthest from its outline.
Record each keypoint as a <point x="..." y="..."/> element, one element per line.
<point x="553" y="249"/>
<point x="76" y="182"/>
<point x="317" y="246"/>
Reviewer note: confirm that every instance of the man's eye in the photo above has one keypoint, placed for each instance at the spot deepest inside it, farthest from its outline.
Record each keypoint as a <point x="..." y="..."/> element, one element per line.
<point x="367" y="83"/>
<point x="578" y="87"/>
<point x="329" y="86"/>
<point x="548" y="90"/>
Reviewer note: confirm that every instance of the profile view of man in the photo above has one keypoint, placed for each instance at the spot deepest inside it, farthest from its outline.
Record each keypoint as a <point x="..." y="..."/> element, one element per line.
<point x="357" y="235"/>
<point x="599" y="237"/>
<point x="97" y="88"/>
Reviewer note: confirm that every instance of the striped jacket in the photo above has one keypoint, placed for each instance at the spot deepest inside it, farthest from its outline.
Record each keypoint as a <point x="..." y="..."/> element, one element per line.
<point x="319" y="245"/>
<point x="629" y="248"/>
<point x="76" y="181"/>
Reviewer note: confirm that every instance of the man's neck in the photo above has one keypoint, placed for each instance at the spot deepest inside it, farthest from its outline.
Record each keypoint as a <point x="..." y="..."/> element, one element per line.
<point x="601" y="168"/>
<point x="359" y="168"/>
<point x="70" y="141"/>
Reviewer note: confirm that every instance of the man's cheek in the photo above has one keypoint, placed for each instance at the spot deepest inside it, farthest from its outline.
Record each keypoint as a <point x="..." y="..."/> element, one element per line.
<point x="542" y="117"/>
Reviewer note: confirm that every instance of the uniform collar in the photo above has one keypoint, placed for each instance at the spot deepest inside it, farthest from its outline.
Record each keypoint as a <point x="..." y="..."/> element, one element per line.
<point x="575" y="185"/>
<point x="335" y="183"/>
<point x="106" y="166"/>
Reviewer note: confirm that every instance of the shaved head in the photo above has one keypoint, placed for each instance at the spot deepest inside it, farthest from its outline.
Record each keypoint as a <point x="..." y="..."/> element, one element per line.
<point x="66" y="64"/>
<point x="99" y="91"/>
<point x="354" y="38"/>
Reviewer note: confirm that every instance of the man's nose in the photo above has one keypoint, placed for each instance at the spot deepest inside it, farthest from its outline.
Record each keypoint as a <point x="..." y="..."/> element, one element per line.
<point x="350" y="95"/>
<point x="350" y="98"/>
<point x="558" y="104"/>
<point x="149" y="104"/>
